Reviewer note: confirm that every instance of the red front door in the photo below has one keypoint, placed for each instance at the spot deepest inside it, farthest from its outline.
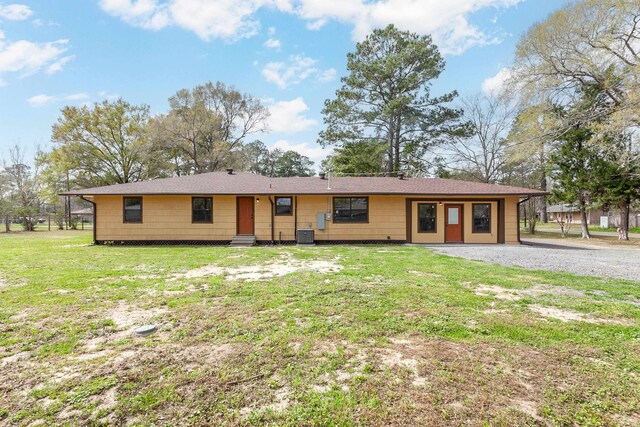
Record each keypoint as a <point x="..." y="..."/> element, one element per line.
<point x="453" y="224"/>
<point x="245" y="215"/>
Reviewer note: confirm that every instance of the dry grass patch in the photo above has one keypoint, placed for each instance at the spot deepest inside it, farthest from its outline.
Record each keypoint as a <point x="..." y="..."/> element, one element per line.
<point x="286" y="265"/>
<point x="261" y="337"/>
<point x="438" y="383"/>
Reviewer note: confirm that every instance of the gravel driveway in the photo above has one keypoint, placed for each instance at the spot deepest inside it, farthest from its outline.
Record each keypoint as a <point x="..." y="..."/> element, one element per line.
<point x="621" y="263"/>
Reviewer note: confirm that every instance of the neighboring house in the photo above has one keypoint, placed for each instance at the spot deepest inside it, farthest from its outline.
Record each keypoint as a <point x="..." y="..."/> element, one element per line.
<point x="570" y="213"/>
<point x="85" y="214"/>
<point x="219" y="207"/>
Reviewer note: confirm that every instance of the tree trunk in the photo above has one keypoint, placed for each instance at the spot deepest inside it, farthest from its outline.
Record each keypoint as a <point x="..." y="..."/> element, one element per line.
<point x="7" y="224"/>
<point x="544" y="217"/>
<point x="391" y="162"/>
<point x="623" y="230"/>
<point x="583" y="223"/>
<point x="396" y="144"/>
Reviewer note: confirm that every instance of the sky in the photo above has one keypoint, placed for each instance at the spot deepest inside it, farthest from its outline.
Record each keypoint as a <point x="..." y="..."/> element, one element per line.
<point x="290" y="54"/>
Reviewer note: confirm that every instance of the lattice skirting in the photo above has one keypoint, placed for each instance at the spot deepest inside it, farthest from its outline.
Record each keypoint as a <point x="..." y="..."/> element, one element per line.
<point x="164" y="242"/>
<point x="336" y="242"/>
<point x="227" y="242"/>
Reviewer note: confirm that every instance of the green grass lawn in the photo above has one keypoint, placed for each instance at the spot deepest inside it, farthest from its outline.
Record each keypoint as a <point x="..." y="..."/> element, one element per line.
<point x="344" y="335"/>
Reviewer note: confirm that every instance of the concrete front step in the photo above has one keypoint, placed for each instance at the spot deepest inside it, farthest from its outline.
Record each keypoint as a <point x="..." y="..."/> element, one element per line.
<point x="243" y="240"/>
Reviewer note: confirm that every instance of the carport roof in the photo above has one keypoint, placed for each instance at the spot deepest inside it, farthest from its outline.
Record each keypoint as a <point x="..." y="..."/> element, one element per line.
<point x="240" y="183"/>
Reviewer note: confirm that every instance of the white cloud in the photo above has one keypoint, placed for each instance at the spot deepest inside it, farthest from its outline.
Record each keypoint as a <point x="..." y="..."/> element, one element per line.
<point x="15" y="12"/>
<point x="76" y="97"/>
<point x="108" y="96"/>
<point x="28" y="57"/>
<point x="44" y="100"/>
<point x="447" y="21"/>
<point x="289" y="116"/>
<point x="148" y="14"/>
<point x="327" y="75"/>
<point x="272" y="44"/>
<point x="224" y="19"/>
<point x="59" y="65"/>
<point x="316" y="25"/>
<point x="271" y="31"/>
<point x="41" y="100"/>
<point x="312" y="151"/>
<point x="493" y="86"/>
<point x="296" y="70"/>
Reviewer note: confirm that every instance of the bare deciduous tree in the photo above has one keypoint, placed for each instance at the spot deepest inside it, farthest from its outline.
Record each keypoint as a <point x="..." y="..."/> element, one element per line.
<point x="22" y="188"/>
<point x="206" y="126"/>
<point x="482" y="155"/>
<point x="588" y="43"/>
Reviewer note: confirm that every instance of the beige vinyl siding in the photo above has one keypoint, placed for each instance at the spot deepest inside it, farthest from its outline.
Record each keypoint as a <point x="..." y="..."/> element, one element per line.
<point x="165" y="218"/>
<point x="467" y="223"/>
<point x="169" y="218"/>
<point x="387" y="219"/>
<point x="480" y="238"/>
<point x="281" y="224"/>
<point x="511" y="231"/>
<point x="437" y="237"/>
<point x="511" y="219"/>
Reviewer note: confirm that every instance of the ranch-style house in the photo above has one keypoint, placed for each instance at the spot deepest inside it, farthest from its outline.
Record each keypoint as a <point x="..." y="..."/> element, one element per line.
<point x="245" y="208"/>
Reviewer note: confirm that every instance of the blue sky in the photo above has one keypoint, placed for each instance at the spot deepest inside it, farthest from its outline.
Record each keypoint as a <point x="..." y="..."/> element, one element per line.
<point x="289" y="53"/>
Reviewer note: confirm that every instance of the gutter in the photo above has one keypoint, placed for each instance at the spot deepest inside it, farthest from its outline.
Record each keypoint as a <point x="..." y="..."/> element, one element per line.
<point x="323" y="193"/>
<point x="295" y="218"/>
<point x="273" y="238"/>
<point x="95" y="217"/>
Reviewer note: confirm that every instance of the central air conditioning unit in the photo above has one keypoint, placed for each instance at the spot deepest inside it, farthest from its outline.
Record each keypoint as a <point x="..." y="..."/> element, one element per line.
<point x="305" y="236"/>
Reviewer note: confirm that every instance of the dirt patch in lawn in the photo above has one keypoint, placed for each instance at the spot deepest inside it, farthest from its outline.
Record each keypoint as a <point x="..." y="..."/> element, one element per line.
<point x="282" y="267"/>
<point x="438" y="382"/>
<point x="424" y="274"/>
<point x="127" y="316"/>
<point x="550" y="312"/>
<point x="541" y="289"/>
<point x="280" y="401"/>
<point x="575" y="316"/>
<point x="533" y="291"/>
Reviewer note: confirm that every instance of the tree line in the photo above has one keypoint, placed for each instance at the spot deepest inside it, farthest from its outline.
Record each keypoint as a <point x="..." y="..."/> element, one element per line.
<point x="565" y="121"/>
<point x="207" y="129"/>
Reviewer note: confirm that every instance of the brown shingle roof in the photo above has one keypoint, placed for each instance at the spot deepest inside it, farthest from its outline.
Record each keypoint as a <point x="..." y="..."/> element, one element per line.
<point x="248" y="183"/>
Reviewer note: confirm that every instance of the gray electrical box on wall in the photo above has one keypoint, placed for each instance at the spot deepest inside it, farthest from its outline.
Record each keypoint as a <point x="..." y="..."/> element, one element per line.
<point x="321" y="225"/>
